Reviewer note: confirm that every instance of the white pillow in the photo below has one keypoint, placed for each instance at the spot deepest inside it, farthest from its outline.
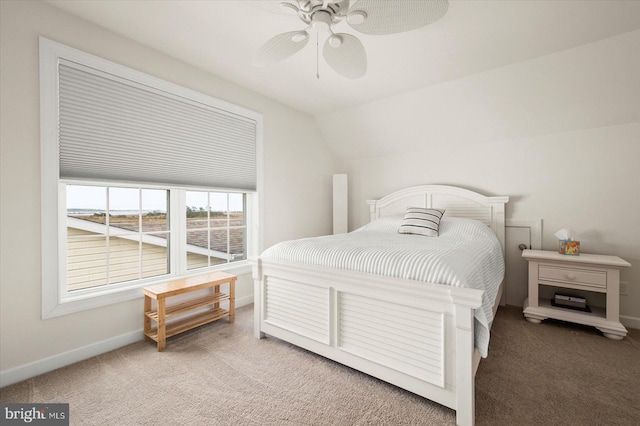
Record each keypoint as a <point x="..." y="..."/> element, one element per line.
<point x="421" y="221"/>
<point x="384" y="224"/>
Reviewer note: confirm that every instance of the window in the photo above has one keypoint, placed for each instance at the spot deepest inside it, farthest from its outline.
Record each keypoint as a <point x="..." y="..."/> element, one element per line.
<point x="142" y="181"/>
<point x="216" y="228"/>
<point x="115" y="235"/>
<point x="122" y="234"/>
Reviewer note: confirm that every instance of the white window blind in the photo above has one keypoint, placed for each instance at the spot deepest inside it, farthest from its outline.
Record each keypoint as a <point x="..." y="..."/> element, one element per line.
<point x="113" y="128"/>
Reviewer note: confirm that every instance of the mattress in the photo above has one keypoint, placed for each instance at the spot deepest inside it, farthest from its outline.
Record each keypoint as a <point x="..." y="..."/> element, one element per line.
<point x="465" y="254"/>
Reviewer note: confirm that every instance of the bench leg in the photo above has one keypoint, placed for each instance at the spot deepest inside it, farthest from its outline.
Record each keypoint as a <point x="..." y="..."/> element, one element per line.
<point x="216" y="290"/>
<point x="232" y="301"/>
<point x="147" y="320"/>
<point x="162" y="339"/>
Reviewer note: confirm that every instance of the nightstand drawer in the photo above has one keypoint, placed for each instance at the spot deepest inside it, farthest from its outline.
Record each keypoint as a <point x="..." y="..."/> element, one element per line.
<point x="586" y="277"/>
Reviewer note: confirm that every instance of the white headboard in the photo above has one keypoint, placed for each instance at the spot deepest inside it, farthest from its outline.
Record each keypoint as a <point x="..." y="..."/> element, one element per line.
<point x="458" y="202"/>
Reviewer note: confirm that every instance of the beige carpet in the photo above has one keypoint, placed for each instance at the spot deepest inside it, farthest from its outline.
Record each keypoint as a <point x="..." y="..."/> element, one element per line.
<point x="546" y="374"/>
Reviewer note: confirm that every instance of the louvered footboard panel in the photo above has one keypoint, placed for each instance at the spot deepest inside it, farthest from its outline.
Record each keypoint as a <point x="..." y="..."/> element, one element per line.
<point x="297" y="307"/>
<point x="403" y="338"/>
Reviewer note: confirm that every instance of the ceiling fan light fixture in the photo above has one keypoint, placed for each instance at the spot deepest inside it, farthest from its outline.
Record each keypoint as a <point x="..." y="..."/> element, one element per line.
<point x="300" y="36"/>
<point x="335" y="41"/>
<point x="321" y="21"/>
<point x="356" y="17"/>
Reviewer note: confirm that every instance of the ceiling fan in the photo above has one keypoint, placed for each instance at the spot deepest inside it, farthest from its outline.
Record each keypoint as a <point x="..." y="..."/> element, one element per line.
<point x="345" y="52"/>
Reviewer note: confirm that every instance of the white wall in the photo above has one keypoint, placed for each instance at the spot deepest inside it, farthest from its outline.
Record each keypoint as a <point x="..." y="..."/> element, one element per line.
<point x="297" y="195"/>
<point x="560" y="134"/>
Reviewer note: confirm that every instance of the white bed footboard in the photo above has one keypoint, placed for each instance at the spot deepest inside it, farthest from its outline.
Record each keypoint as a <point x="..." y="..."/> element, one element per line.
<point x="416" y="336"/>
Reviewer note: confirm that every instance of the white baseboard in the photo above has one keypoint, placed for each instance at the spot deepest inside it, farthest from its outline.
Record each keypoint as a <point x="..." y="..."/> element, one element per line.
<point x="243" y="301"/>
<point x="35" y="368"/>
<point x="45" y="365"/>
<point x="630" y="322"/>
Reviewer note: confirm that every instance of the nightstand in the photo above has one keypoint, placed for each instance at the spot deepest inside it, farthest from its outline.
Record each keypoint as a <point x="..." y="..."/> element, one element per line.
<point x="587" y="272"/>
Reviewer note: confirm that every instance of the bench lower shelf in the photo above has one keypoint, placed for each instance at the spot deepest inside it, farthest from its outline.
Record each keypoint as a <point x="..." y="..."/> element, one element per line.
<point x="189" y="305"/>
<point x="180" y="326"/>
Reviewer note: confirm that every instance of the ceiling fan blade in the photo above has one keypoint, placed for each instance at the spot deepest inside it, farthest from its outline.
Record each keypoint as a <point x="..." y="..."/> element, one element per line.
<point x="279" y="7"/>
<point x="349" y="59"/>
<point x="280" y="47"/>
<point x="389" y="17"/>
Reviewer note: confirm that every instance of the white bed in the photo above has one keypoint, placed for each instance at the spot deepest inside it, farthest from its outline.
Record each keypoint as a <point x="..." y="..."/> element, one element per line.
<point x="416" y="335"/>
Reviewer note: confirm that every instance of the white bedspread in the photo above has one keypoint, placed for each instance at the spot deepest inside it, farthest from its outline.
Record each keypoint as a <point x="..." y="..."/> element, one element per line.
<point x="466" y="254"/>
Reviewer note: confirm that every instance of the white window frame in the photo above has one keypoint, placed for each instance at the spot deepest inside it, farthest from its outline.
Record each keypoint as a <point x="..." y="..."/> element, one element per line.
<point x="56" y="300"/>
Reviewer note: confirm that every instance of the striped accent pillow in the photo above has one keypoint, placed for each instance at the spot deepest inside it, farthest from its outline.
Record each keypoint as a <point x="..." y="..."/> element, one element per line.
<point x="421" y="221"/>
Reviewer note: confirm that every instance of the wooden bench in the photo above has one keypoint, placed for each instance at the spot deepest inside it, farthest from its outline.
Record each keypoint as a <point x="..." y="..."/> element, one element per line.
<point x="161" y="292"/>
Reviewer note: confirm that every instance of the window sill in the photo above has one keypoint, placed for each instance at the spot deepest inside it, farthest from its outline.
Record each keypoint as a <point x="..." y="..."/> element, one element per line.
<point x="59" y="305"/>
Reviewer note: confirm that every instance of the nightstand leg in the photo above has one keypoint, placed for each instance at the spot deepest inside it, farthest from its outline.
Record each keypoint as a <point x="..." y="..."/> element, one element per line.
<point x="533" y="284"/>
<point x="611" y="336"/>
<point x="613" y="295"/>
<point x="532" y="316"/>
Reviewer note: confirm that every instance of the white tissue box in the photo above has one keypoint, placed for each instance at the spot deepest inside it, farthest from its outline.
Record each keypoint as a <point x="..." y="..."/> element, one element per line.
<point x="569" y="247"/>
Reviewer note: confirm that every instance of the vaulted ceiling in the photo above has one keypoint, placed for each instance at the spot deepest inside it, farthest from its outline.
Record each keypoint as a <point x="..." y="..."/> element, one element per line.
<point x="474" y="36"/>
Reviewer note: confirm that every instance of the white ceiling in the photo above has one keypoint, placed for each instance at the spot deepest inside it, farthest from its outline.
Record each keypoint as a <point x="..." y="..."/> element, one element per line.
<point x="474" y="36"/>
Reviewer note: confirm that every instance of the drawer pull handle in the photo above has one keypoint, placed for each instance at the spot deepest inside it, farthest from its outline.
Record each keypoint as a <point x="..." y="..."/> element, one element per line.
<point x="571" y="276"/>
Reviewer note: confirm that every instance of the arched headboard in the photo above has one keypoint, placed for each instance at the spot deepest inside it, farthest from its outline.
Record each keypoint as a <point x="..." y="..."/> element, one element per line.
<point x="458" y="202"/>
